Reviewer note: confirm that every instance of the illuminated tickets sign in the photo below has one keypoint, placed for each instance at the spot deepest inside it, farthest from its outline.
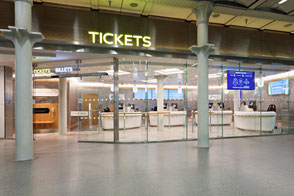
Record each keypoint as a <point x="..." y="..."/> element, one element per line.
<point x="63" y="69"/>
<point x="120" y="39"/>
<point x="41" y="71"/>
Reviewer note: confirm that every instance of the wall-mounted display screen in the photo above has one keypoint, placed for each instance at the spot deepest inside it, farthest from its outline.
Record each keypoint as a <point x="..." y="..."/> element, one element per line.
<point x="169" y="94"/>
<point x="279" y="87"/>
<point x="240" y="80"/>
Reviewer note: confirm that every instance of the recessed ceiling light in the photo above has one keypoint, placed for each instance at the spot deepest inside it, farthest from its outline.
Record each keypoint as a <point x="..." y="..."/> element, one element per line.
<point x="134" y="4"/>
<point x="288" y="25"/>
<point x="282" y="1"/>
<point x="215" y="15"/>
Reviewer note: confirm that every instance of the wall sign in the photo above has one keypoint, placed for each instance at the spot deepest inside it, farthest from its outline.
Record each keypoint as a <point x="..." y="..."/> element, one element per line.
<point x="79" y="113"/>
<point x="240" y="80"/>
<point x="63" y="69"/>
<point x="41" y="71"/>
<point x="120" y="39"/>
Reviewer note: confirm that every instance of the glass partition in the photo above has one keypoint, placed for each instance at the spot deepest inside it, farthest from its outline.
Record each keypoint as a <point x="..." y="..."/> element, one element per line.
<point x="157" y="99"/>
<point x="216" y="104"/>
<point x="167" y="99"/>
<point x="94" y="106"/>
<point x="191" y="99"/>
<point x="132" y="104"/>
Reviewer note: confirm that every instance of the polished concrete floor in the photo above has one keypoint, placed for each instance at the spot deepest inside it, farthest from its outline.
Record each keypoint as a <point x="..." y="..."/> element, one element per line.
<point x="240" y="166"/>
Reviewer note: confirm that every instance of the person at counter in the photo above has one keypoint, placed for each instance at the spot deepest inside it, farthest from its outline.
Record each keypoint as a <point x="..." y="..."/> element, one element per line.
<point x="248" y="118"/>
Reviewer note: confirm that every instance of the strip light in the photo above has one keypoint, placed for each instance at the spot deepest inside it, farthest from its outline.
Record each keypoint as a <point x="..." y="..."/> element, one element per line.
<point x="282" y="1"/>
<point x="169" y="71"/>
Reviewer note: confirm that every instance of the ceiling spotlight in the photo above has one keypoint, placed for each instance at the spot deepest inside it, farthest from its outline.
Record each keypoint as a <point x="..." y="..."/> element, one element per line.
<point x="288" y="25"/>
<point x="134" y="4"/>
<point x="215" y="15"/>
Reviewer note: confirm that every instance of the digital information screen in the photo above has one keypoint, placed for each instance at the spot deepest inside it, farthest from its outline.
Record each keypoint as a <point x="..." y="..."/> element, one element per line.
<point x="280" y="87"/>
<point x="240" y="80"/>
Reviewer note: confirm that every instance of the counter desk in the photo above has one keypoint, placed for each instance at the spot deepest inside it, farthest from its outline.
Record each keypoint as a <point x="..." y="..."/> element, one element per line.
<point x="218" y="117"/>
<point x="171" y="118"/>
<point x="255" y="121"/>
<point x="127" y="120"/>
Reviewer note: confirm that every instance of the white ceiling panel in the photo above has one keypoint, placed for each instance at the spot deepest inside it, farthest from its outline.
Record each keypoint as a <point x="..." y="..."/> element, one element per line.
<point x="169" y="11"/>
<point x="280" y="26"/>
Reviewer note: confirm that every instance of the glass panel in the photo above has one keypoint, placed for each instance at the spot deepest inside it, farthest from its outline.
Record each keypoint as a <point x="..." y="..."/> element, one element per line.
<point x="132" y="99"/>
<point x="216" y="104"/>
<point x="166" y="79"/>
<point x="191" y="99"/>
<point x="275" y="99"/>
<point x="94" y="102"/>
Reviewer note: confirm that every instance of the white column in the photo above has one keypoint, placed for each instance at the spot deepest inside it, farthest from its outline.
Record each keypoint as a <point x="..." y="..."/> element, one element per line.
<point x="62" y="106"/>
<point x="237" y="99"/>
<point x="160" y="102"/>
<point x="23" y="40"/>
<point x="202" y="11"/>
<point x="2" y="103"/>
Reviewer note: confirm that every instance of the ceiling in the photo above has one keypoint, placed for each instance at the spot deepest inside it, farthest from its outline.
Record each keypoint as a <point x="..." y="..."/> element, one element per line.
<point x="257" y="14"/>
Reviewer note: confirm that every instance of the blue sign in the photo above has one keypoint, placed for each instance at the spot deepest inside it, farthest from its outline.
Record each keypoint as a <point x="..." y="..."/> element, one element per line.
<point x="240" y="80"/>
<point x="63" y="69"/>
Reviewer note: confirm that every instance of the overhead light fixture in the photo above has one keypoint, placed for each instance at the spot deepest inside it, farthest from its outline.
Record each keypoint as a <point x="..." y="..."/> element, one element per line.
<point x="288" y="25"/>
<point x="168" y="71"/>
<point x="215" y="15"/>
<point x="282" y="1"/>
<point x="134" y="4"/>
<point x="260" y="82"/>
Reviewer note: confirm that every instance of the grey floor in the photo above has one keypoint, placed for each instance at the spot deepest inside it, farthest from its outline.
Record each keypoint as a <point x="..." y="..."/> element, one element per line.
<point x="244" y="166"/>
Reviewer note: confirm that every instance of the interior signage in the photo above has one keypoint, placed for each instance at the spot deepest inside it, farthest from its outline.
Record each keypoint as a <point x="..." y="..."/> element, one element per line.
<point x="240" y="80"/>
<point x="41" y="71"/>
<point x="63" y="69"/>
<point x="120" y="39"/>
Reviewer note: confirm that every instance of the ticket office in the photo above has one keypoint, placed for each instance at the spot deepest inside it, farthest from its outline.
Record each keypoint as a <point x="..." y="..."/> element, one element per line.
<point x="263" y="109"/>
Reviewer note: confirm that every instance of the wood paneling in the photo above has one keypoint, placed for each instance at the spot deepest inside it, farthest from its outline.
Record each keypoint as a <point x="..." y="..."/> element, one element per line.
<point x="46" y="121"/>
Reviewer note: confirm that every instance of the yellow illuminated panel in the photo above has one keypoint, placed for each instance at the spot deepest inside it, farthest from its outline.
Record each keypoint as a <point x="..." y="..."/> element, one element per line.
<point x="41" y="71"/>
<point x="120" y="39"/>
